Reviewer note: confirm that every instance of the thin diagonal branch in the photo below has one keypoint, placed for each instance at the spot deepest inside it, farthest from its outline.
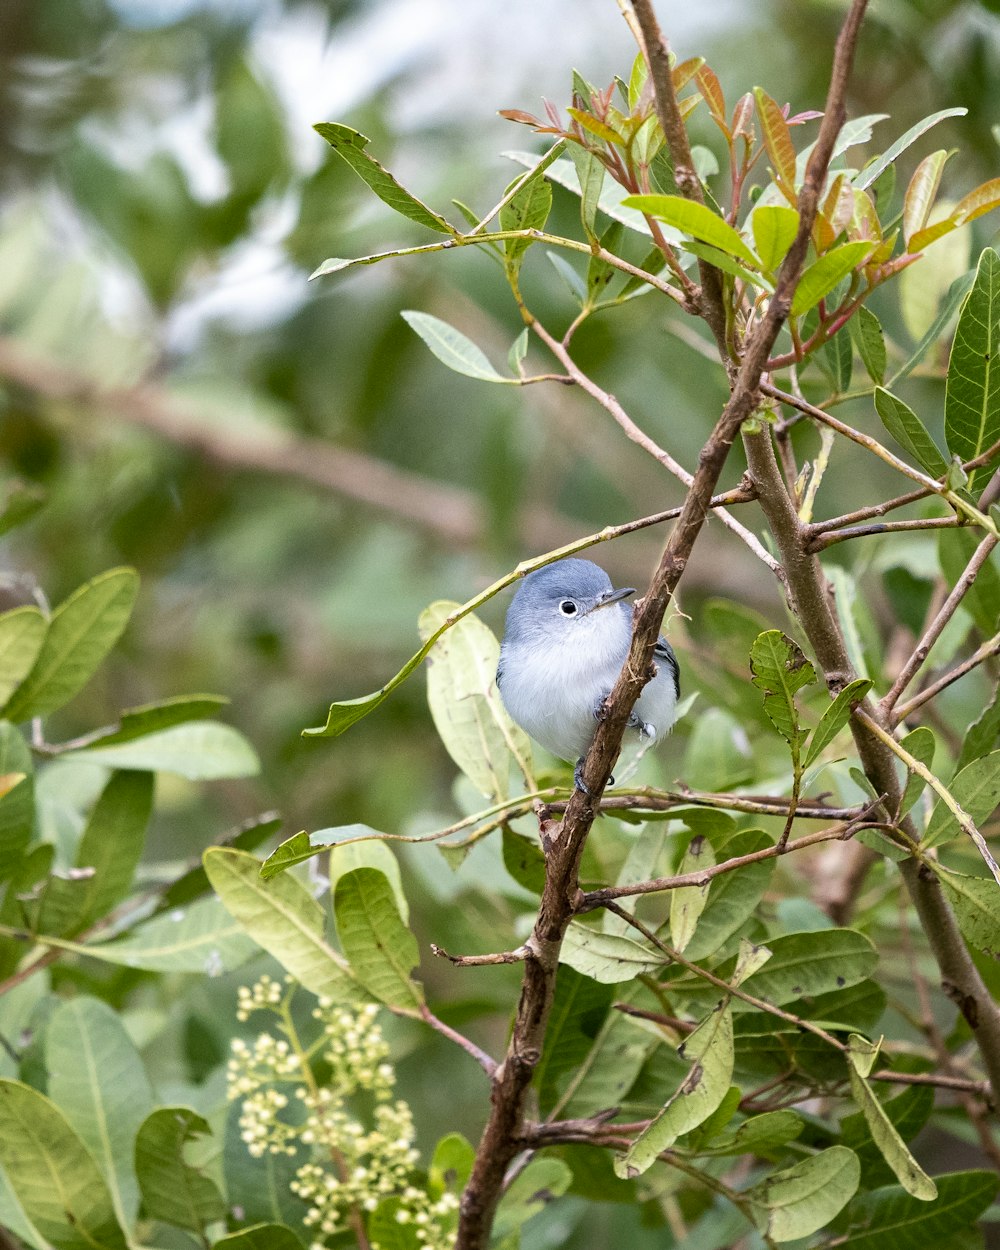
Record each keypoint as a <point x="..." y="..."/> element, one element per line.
<point x="989" y="648"/>
<point x="936" y="627"/>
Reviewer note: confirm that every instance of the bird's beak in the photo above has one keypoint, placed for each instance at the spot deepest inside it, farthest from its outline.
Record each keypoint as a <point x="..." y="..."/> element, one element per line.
<point x="613" y="596"/>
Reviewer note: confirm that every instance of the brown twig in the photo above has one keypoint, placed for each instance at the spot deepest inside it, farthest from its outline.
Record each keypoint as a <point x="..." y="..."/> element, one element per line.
<point x="481" y="961"/>
<point x="830" y="537"/>
<point x="485" y="1061"/>
<point x="935" y="628"/>
<point x="988" y="649"/>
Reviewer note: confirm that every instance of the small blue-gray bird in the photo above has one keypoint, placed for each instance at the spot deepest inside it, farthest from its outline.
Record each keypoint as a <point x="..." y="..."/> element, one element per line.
<point x="567" y="636"/>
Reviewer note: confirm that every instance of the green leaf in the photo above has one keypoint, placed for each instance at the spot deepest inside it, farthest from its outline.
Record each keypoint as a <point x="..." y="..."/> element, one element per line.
<point x="871" y="172"/>
<point x="688" y="902"/>
<point x="137" y="722"/>
<point x="350" y="144"/>
<point x="710" y="1051"/>
<point x="201" y="937"/>
<point x="819" y="279"/>
<point x="908" y="1112"/>
<point x="600" y="274"/>
<point x="861" y="1056"/>
<point x="172" y="1190"/>
<point x="17" y="806"/>
<point x="518" y="351"/>
<point x="972" y="394"/>
<point x="572" y="280"/>
<point x="836" y="716"/>
<point x="453" y="349"/>
<point x="541" y="1182"/>
<point x="451" y="1164"/>
<point x="891" y="1217"/>
<point x="606" y="957"/>
<point x="957" y="292"/>
<point x="780" y="670"/>
<point x="695" y="219"/>
<point x="976" y="902"/>
<point x="761" y="1134"/>
<point x="199" y="751"/>
<point x="579" y="1009"/>
<point x="982" y="601"/>
<point x="527" y="210"/>
<point x="469" y="716"/>
<point x="976" y="789"/>
<point x="866" y="331"/>
<point x="979" y="738"/>
<point x="727" y="264"/>
<point x="921" y="193"/>
<point x="838" y="353"/>
<point x="381" y="950"/>
<point x="774" y="229"/>
<point x="82" y="631"/>
<point x="22" y="632"/>
<point x="732" y="897"/>
<point x="97" y="1080"/>
<point x="590" y="174"/>
<point x="803" y="965"/>
<point x="777" y="142"/>
<point x="110" y="849"/>
<point x="524" y="859"/>
<point x="283" y="917"/>
<point x="804" y="1198"/>
<point x="607" y="1072"/>
<point x="260" y="1237"/>
<point x="304" y="846"/>
<point x="20" y="503"/>
<point x="717" y="755"/>
<point x="53" y="1175"/>
<point x="910" y="432"/>
<point x="345" y="857"/>
<point x="921" y="744"/>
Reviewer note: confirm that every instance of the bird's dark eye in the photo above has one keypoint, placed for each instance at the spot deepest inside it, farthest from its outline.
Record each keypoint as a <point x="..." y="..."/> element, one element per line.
<point x="567" y="607"/>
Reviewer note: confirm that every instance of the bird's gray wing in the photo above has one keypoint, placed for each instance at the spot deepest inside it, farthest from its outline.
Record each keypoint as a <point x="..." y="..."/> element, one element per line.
<point x="663" y="653"/>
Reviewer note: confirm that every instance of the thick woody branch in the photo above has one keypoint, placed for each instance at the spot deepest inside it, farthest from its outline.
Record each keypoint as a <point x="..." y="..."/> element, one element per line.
<point x="499" y="1142"/>
<point x="812" y="605"/>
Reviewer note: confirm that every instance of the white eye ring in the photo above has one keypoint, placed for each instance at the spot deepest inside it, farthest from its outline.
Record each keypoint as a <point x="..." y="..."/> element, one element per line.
<point x="567" y="607"/>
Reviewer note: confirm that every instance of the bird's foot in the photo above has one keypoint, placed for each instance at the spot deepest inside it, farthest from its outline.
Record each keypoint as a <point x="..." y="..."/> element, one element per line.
<point x="579" y="782"/>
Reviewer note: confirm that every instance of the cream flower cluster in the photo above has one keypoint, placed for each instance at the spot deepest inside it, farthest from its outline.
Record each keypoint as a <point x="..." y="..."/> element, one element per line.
<point x="354" y="1168"/>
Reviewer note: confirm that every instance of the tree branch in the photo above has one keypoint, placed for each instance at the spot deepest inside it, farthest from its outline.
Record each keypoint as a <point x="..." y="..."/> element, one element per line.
<point x="499" y="1142"/>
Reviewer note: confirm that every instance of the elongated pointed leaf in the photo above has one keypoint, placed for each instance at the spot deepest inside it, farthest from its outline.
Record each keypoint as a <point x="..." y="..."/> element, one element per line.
<point x="733" y="896"/>
<point x="17" y="806"/>
<point x="53" y="1175"/>
<point x="284" y="918"/>
<point x="819" y="279"/>
<point x="453" y="349"/>
<point x="590" y="173"/>
<point x="761" y="1133"/>
<point x="972" y="395"/>
<point x="982" y="199"/>
<point x="200" y="937"/>
<point x="976" y="789"/>
<point x="380" y="948"/>
<point x="606" y="957"/>
<point x="97" y="1080"/>
<point x="869" y="174"/>
<point x="350" y="144"/>
<point x="780" y="670"/>
<point x="22" y="632"/>
<point x="922" y="192"/>
<point x="891" y="1217"/>
<point x="110" y="849"/>
<point x="137" y="722"/>
<point x="687" y="903"/>
<point x="578" y="1012"/>
<point x="777" y="142"/>
<point x="870" y="342"/>
<point x="910" y="432"/>
<point x="710" y="1052"/>
<point x="372" y="853"/>
<point x="469" y="716"/>
<point x="695" y="219"/>
<point x="529" y="1194"/>
<point x="199" y="750"/>
<point x="774" y="229"/>
<point x="81" y="632"/>
<point x="801" y="1199"/>
<point x="805" y="965"/>
<point x="527" y="210"/>
<point x="976" y="901"/>
<point x="860" y="1058"/>
<point x="172" y="1190"/>
<point x="835" y="718"/>
<point x="260" y="1237"/>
